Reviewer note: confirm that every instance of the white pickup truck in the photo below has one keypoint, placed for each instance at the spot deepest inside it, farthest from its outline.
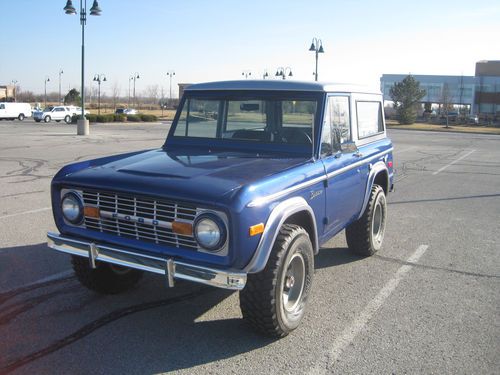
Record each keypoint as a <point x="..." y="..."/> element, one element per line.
<point x="56" y="113"/>
<point x="11" y="111"/>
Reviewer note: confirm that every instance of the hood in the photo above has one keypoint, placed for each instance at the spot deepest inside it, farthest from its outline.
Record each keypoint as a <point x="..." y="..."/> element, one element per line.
<point x="209" y="176"/>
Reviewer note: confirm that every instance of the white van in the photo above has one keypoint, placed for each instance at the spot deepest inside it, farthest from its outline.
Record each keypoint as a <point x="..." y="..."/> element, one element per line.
<point x="11" y="111"/>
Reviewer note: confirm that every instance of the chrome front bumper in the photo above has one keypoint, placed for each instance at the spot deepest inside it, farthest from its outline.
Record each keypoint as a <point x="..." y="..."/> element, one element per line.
<point x="171" y="268"/>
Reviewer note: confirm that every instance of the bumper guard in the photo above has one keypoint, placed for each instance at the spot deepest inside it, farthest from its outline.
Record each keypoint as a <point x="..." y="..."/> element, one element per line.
<point x="164" y="266"/>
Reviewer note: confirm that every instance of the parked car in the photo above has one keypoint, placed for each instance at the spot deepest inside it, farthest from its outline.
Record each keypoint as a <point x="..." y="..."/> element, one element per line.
<point x="57" y="113"/>
<point x="473" y="119"/>
<point x="76" y="110"/>
<point x="242" y="200"/>
<point x="12" y="111"/>
<point x="126" y="111"/>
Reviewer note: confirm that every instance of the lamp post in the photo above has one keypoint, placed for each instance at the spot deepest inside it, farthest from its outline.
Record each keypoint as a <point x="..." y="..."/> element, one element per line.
<point x="83" y="124"/>
<point x="47" y="79"/>
<point x="317" y="48"/>
<point x="170" y="74"/>
<point x="282" y="72"/>
<point x="99" y="78"/>
<point x="133" y="77"/>
<point x="246" y="73"/>
<point x="60" y="98"/>
<point x="14" y="82"/>
<point x="265" y="74"/>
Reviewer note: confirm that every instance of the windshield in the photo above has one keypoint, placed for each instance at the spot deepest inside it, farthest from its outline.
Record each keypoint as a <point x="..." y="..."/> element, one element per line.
<point x="48" y="109"/>
<point x="275" y="119"/>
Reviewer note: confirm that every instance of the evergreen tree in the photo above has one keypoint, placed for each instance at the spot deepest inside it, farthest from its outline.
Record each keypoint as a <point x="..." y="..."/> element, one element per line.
<point x="73" y="97"/>
<point x="406" y="96"/>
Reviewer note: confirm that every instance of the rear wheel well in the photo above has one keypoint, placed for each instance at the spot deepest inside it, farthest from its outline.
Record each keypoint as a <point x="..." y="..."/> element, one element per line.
<point x="304" y="220"/>
<point x="381" y="179"/>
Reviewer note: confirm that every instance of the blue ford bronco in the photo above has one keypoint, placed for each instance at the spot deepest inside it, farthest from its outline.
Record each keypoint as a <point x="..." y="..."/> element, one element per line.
<point x="253" y="178"/>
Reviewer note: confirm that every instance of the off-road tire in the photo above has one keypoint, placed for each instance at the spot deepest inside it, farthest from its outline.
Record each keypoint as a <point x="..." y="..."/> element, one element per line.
<point x="262" y="300"/>
<point x="106" y="278"/>
<point x="360" y="235"/>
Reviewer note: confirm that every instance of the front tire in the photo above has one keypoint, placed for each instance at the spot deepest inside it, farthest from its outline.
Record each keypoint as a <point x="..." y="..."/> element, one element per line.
<point x="46" y="119"/>
<point x="274" y="300"/>
<point x="105" y="278"/>
<point x="365" y="236"/>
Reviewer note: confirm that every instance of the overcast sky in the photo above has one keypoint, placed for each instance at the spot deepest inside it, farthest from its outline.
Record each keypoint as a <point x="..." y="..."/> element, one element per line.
<point x="207" y="40"/>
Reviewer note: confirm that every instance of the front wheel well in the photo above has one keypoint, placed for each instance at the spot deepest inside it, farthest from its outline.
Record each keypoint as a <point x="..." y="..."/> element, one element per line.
<point x="304" y="220"/>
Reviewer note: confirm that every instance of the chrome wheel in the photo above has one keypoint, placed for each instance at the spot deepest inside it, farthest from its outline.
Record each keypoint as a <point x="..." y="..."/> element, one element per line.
<point x="293" y="283"/>
<point x="378" y="221"/>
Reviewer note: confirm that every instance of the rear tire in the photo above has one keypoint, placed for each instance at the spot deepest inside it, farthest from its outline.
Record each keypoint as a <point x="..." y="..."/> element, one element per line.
<point x="46" y="119"/>
<point x="274" y="300"/>
<point x="105" y="278"/>
<point x="21" y="117"/>
<point x="365" y="236"/>
<point x="67" y="119"/>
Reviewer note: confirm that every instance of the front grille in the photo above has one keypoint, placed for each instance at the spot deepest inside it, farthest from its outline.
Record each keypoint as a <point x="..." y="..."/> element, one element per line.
<point x="142" y="218"/>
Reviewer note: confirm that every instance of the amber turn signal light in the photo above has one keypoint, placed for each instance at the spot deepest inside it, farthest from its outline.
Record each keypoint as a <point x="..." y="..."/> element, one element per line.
<point x="182" y="228"/>
<point x="256" y="229"/>
<point x="91" y="212"/>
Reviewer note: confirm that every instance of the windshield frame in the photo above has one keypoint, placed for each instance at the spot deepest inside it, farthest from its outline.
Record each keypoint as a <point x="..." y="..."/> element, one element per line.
<point x="233" y="144"/>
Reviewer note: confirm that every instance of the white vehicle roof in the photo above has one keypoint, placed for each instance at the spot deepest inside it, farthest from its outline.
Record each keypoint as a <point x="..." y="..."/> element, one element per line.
<point x="283" y="85"/>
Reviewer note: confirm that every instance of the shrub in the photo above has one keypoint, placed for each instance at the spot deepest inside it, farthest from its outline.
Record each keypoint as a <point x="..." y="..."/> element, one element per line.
<point x="120" y="117"/>
<point x="105" y="118"/>
<point x="133" y="118"/>
<point x="149" y="118"/>
<point x="91" y="117"/>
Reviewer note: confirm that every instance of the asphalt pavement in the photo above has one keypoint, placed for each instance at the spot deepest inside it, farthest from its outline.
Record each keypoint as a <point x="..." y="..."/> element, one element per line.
<point x="427" y="303"/>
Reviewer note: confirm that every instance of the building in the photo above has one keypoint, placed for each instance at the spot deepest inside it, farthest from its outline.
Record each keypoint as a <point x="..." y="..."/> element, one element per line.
<point x="7" y="92"/>
<point x="479" y="93"/>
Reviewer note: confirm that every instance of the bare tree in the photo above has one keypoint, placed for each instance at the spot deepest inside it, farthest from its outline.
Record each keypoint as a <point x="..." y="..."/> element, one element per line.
<point x="152" y="93"/>
<point x="446" y="102"/>
<point x="115" y="94"/>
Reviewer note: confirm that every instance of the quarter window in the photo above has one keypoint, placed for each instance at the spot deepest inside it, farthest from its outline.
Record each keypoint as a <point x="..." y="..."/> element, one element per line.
<point x="369" y="119"/>
<point x="337" y="124"/>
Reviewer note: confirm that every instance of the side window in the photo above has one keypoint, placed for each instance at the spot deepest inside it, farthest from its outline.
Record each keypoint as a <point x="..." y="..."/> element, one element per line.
<point x="339" y="118"/>
<point x="337" y="124"/>
<point x="369" y="119"/>
<point x="2" y="106"/>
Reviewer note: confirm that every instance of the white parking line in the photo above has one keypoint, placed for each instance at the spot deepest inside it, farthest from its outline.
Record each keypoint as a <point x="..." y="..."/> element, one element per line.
<point x="26" y="212"/>
<point x="453" y="162"/>
<point x="350" y="333"/>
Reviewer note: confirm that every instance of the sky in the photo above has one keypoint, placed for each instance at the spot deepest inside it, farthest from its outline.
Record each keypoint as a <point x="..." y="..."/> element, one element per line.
<point x="210" y="40"/>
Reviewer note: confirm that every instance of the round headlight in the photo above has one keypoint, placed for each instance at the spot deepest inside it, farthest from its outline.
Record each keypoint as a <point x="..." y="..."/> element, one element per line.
<point x="210" y="232"/>
<point x="72" y="208"/>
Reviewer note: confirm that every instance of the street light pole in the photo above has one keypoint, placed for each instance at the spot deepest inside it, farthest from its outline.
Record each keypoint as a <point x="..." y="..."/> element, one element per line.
<point x="47" y="79"/>
<point x="99" y="78"/>
<point x="83" y="124"/>
<point x="14" y="82"/>
<point x="60" y="98"/>
<point x="282" y="72"/>
<point x="317" y="47"/>
<point x="170" y="74"/>
<point x="133" y="77"/>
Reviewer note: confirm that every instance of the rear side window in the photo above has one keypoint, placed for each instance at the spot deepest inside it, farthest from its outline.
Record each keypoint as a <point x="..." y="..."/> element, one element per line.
<point x="369" y="116"/>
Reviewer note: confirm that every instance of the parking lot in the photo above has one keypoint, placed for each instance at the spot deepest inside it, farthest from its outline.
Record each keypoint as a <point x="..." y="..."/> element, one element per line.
<point x="428" y="302"/>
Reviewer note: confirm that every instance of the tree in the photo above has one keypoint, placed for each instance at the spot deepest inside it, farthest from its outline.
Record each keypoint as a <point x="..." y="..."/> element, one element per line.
<point x="406" y="96"/>
<point x="115" y="94"/>
<point x="446" y="102"/>
<point x="72" y="97"/>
